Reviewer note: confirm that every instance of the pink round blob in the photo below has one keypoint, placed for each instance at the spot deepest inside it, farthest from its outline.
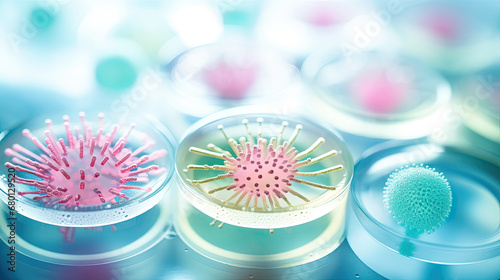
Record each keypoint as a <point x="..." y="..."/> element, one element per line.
<point x="231" y="81"/>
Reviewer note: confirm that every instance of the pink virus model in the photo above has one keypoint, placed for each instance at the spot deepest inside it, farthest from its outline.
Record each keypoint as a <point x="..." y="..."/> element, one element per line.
<point x="263" y="172"/>
<point x="377" y="93"/>
<point x="86" y="169"/>
<point x="231" y="81"/>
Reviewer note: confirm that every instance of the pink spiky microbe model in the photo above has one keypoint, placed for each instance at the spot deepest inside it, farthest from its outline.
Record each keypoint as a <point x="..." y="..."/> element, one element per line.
<point x="86" y="169"/>
<point x="263" y="172"/>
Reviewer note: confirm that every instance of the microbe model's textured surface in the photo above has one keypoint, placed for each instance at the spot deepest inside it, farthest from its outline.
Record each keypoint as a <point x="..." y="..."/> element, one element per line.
<point x="87" y="168"/>
<point x="263" y="171"/>
<point x="418" y="197"/>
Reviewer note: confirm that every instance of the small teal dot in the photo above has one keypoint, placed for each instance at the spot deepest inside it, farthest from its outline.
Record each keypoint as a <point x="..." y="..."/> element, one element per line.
<point x="116" y="72"/>
<point x="41" y="19"/>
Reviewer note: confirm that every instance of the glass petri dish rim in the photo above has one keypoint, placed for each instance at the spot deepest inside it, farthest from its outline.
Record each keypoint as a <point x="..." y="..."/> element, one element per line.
<point x="358" y="207"/>
<point x="136" y="207"/>
<point x="254" y="112"/>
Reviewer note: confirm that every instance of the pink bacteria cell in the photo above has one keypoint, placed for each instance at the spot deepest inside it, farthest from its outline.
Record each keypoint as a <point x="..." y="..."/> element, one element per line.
<point x="86" y="167"/>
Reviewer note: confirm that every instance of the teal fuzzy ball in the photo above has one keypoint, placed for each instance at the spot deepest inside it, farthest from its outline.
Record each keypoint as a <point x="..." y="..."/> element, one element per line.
<point x="418" y="197"/>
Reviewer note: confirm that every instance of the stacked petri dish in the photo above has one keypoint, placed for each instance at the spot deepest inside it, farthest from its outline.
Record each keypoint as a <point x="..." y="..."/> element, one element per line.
<point x="79" y="197"/>
<point x="262" y="190"/>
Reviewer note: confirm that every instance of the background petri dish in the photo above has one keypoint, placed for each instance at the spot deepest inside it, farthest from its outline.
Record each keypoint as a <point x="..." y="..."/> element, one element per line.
<point x="258" y="234"/>
<point x="114" y="209"/>
<point x="375" y="95"/>
<point x="230" y="73"/>
<point x="77" y="246"/>
<point x="467" y="245"/>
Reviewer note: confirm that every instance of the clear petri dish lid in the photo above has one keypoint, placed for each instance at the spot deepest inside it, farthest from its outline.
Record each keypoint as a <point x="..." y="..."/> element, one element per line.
<point x="271" y="171"/>
<point x="376" y="94"/>
<point x="232" y="72"/>
<point x="471" y="232"/>
<point x="61" y="176"/>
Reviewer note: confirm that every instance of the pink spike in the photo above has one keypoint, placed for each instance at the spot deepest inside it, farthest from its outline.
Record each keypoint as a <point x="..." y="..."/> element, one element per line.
<point x="112" y="136"/>
<point x="53" y="151"/>
<point x="36" y="164"/>
<point x="142" y="149"/>
<point x="64" y="200"/>
<point x="21" y="169"/>
<point x="81" y="148"/>
<point x="65" y="160"/>
<point x="82" y="185"/>
<point x="11" y="153"/>
<point x="84" y="125"/>
<point x="52" y="166"/>
<point x="132" y="125"/>
<point x="134" y="188"/>
<point x="99" y="134"/>
<point x="104" y="160"/>
<point x="133" y="166"/>
<point x="55" y="160"/>
<point x="92" y="162"/>
<point x="124" y="158"/>
<point x="69" y="136"/>
<point x="27" y="152"/>
<point x="27" y="133"/>
<point x="113" y="228"/>
<point x="92" y="145"/>
<point x="30" y="192"/>
<point x="119" y="148"/>
<point x="36" y="198"/>
<point x="97" y="174"/>
<point x="51" y="141"/>
<point x="99" y="193"/>
<point x="104" y="148"/>
<point x="63" y="146"/>
<point x="101" y="120"/>
<point x="155" y="155"/>
<point x="128" y="179"/>
<point x="65" y="174"/>
<point x="118" y="193"/>
<point x="152" y="167"/>
<point x="82" y="174"/>
<point x="40" y="145"/>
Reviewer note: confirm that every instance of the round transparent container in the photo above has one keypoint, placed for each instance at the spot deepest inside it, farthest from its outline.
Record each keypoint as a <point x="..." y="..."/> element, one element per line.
<point x="455" y="37"/>
<point x="266" y="221"/>
<point x="87" y="246"/>
<point x="466" y="246"/>
<point x="230" y="73"/>
<point x="149" y="143"/>
<point x="375" y="94"/>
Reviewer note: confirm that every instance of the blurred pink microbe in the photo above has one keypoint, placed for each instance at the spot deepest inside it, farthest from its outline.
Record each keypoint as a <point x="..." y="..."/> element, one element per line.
<point x="376" y="92"/>
<point x="231" y="81"/>
<point x="85" y="169"/>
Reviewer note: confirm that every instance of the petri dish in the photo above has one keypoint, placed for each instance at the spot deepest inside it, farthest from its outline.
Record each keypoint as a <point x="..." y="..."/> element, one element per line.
<point x="230" y="73"/>
<point x="88" y="246"/>
<point x="443" y="34"/>
<point x="466" y="246"/>
<point x="375" y="94"/>
<point x="98" y="179"/>
<point x="293" y="209"/>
